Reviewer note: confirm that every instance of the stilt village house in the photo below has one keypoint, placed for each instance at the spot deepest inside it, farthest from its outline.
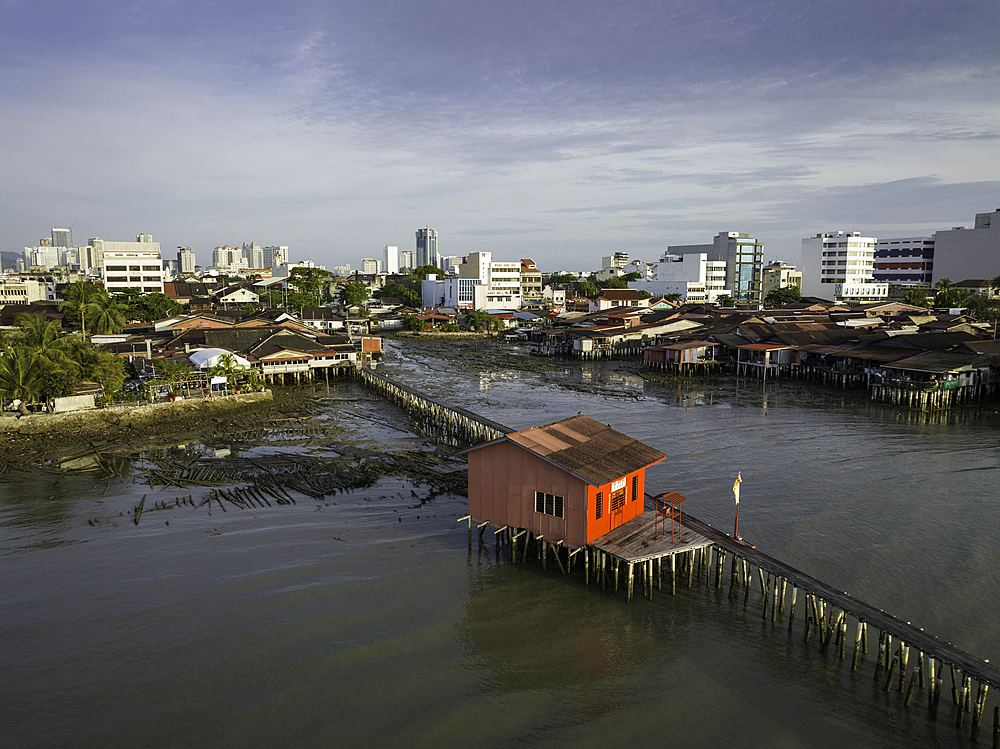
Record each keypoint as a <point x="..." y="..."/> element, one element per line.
<point x="571" y="481"/>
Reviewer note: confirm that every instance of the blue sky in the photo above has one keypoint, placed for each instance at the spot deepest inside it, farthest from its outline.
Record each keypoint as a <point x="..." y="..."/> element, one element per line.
<point x="561" y="131"/>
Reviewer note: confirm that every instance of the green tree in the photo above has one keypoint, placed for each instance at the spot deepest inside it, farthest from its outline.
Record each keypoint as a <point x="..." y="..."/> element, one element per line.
<point x="423" y="271"/>
<point x="725" y="301"/>
<point x="586" y="288"/>
<point x="108" y="316"/>
<point x="19" y="376"/>
<point x="630" y="277"/>
<point x="309" y="281"/>
<point x="414" y="323"/>
<point x="146" y="307"/>
<point x="916" y="297"/>
<point x="49" y="347"/>
<point x="101" y="367"/>
<point x="780" y="297"/>
<point x="482" y="321"/>
<point x="562" y="278"/>
<point x="353" y="294"/>
<point x="615" y="282"/>
<point x="79" y="302"/>
<point x="674" y="297"/>
<point x="409" y="296"/>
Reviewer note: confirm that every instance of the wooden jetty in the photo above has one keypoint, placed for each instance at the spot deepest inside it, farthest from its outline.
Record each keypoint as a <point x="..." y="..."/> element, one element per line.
<point x="907" y="659"/>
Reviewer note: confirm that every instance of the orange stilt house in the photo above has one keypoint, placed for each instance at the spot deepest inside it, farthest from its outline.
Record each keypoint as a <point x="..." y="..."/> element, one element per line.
<point x="572" y="481"/>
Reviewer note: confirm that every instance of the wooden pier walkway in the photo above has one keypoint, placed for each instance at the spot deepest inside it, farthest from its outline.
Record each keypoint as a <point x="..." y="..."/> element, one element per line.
<point x="981" y="671"/>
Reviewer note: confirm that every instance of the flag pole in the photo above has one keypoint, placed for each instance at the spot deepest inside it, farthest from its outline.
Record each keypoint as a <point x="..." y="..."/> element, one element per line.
<point x="736" y="493"/>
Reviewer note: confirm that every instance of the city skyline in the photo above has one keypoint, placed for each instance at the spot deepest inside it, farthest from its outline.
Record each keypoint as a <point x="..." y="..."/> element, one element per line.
<point x="558" y="132"/>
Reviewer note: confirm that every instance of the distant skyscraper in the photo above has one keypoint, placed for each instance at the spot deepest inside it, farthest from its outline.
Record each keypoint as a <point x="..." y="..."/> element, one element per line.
<point x="62" y="238"/>
<point x="275" y="255"/>
<point x="145" y="238"/>
<point x="427" y="247"/>
<point x="390" y="259"/>
<point x="406" y="258"/>
<point x="185" y="260"/>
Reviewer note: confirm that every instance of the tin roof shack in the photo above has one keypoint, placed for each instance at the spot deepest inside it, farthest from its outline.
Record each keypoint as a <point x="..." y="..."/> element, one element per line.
<point x="571" y="481"/>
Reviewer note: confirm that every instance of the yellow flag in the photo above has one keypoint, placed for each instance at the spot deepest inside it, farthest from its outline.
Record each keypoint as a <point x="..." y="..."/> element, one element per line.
<point x="736" y="487"/>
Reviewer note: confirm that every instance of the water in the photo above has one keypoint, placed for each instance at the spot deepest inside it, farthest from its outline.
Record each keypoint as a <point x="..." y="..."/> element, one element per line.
<point x="363" y="620"/>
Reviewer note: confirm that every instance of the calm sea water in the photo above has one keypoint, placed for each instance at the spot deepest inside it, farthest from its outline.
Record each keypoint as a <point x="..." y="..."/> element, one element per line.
<point x="363" y="620"/>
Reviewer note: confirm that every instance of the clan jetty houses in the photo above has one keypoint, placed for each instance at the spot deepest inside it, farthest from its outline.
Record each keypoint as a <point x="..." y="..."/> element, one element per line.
<point x="572" y="481"/>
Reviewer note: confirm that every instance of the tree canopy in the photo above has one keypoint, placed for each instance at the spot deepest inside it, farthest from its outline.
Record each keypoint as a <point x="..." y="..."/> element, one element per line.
<point x="916" y="297"/>
<point x="780" y="297"/>
<point x="482" y="320"/>
<point x="409" y="296"/>
<point x="143" y="307"/>
<point x="423" y="271"/>
<point x="309" y="281"/>
<point x="352" y="294"/>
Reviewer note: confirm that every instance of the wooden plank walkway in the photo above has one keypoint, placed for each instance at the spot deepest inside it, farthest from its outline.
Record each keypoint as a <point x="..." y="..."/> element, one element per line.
<point x="633" y="541"/>
<point x="904" y="631"/>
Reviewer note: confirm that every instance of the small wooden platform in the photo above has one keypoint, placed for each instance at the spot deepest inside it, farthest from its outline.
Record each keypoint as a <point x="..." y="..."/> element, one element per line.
<point x="634" y="542"/>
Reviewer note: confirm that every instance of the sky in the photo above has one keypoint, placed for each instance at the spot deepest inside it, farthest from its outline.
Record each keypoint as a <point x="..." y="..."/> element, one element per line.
<point x="553" y="130"/>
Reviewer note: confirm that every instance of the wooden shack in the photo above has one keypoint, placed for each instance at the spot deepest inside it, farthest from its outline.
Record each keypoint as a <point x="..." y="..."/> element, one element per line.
<point x="572" y="481"/>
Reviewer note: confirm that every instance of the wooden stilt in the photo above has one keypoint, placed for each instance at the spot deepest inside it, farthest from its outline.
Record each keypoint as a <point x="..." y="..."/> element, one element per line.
<point x="631" y="579"/>
<point x="791" y="609"/>
<point x="857" y="646"/>
<point x="673" y="574"/>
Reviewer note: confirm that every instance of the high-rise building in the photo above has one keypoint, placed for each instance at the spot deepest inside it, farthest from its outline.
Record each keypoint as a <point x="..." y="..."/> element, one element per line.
<point x="961" y="253"/>
<point x="427" y="247"/>
<point x="369" y="266"/>
<point x="744" y="258"/>
<point x="844" y="257"/>
<point x="275" y="255"/>
<point x="146" y="238"/>
<point x="390" y="259"/>
<point x="618" y="260"/>
<point x="406" y="260"/>
<point x="133" y="265"/>
<point x="905" y="261"/>
<point x="185" y="260"/>
<point x="254" y="255"/>
<point x="62" y="238"/>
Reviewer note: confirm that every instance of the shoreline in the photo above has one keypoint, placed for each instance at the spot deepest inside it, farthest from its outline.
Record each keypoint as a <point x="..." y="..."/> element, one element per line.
<point x="35" y="434"/>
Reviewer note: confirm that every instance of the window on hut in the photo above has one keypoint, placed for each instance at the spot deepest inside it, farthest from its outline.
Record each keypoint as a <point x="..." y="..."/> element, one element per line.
<point x="617" y="500"/>
<point x="635" y="487"/>
<point x="599" y="506"/>
<point x="549" y="504"/>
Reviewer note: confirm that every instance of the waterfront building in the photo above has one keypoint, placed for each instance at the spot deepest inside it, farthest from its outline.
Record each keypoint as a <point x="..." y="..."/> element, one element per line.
<point x="905" y="261"/>
<point x="836" y="258"/>
<point x="427" y="247"/>
<point x="969" y="253"/>
<point x="744" y="258"/>
<point x="390" y="259"/>
<point x="531" y="283"/>
<point x="481" y="283"/>
<point x="133" y="265"/>
<point x="692" y="275"/>
<point x="571" y="481"/>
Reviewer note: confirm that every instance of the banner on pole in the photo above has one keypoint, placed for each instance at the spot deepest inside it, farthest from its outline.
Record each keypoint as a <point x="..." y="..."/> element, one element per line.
<point x="736" y="487"/>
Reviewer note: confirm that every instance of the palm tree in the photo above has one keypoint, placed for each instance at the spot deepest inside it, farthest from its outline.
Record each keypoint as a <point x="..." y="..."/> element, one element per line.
<point x="47" y="345"/>
<point x="108" y="316"/>
<point x="79" y="300"/>
<point x="915" y="297"/>
<point x="19" y="377"/>
<point x="943" y="291"/>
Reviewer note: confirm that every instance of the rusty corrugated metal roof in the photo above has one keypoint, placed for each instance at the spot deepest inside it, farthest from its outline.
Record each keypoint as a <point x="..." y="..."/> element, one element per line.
<point x="588" y="449"/>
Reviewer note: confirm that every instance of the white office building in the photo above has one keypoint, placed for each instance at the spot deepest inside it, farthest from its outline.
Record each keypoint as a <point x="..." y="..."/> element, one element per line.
<point x="390" y="259"/>
<point x="275" y="255"/>
<point x="481" y="283"/>
<point x="133" y="265"/>
<point x="693" y="276"/>
<point x="843" y="257"/>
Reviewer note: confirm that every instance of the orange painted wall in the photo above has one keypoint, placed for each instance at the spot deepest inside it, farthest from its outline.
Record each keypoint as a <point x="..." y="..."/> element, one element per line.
<point x="633" y="507"/>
